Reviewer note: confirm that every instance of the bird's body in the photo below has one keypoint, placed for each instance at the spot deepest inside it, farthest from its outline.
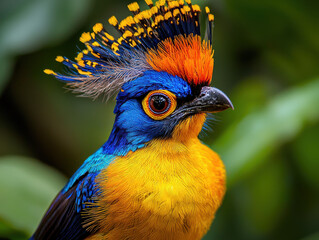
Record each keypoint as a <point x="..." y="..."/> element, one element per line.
<point x="174" y="197"/>
<point x="153" y="178"/>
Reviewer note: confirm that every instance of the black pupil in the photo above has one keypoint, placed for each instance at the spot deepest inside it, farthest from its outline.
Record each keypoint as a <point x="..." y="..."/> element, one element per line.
<point x="159" y="102"/>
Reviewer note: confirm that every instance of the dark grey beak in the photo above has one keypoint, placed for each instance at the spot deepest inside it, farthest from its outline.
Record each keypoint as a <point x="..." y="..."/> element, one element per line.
<point x="211" y="100"/>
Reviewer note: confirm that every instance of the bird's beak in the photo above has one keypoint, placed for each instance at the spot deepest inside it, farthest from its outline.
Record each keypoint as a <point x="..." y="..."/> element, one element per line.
<point x="210" y="100"/>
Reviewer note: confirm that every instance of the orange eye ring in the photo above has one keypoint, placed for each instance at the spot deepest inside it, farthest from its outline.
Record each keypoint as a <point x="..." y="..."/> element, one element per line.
<point x="159" y="104"/>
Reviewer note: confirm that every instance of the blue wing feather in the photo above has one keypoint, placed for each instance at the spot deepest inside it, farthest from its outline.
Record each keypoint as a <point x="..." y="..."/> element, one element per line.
<point x="63" y="220"/>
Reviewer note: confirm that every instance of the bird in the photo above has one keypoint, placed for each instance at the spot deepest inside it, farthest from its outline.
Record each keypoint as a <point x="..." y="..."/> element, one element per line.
<point x="153" y="178"/>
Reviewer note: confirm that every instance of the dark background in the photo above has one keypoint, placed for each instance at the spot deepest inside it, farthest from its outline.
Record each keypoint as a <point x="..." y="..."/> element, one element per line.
<point x="266" y="60"/>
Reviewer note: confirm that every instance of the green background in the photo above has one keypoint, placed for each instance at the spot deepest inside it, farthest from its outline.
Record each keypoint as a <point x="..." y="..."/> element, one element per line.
<point x="266" y="61"/>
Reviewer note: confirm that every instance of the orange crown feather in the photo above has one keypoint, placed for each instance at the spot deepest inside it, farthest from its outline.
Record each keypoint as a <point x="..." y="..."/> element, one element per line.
<point x="186" y="57"/>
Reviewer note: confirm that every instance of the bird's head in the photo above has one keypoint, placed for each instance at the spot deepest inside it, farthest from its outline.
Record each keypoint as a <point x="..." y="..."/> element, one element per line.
<point x="161" y="69"/>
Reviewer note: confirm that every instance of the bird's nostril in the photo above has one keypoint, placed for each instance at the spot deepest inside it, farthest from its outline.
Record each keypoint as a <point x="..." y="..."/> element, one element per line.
<point x="206" y="92"/>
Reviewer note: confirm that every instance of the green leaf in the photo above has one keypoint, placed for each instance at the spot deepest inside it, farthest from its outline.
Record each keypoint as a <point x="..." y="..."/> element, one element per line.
<point x="28" y="25"/>
<point x="6" y="67"/>
<point x="32" y="24"/>
<point x="314" y="236"/>
<point x="27" y="189"/>
<point x="245" y="145"/>
<point x="9" y="232"/>
<point x="263" y="199"/>
<point x="306" y="154"/>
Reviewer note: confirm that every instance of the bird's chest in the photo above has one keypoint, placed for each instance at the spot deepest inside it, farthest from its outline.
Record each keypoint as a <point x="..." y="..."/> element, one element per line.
<point x="157" y="190"/>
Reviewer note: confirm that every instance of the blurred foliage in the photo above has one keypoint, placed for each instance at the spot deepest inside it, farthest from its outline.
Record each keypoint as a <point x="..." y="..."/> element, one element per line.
<point x="266" y="60"/>
<point x="279" y="121"/>
<point x="28" y="25"/>
<point x="34" y="183"/>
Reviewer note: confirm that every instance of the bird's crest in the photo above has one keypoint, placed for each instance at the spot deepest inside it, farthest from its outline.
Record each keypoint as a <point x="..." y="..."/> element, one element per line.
<point x="166" y="37"/>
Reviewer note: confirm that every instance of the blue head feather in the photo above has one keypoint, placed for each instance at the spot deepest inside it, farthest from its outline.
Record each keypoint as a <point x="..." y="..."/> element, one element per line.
<point x="133" y="127"/>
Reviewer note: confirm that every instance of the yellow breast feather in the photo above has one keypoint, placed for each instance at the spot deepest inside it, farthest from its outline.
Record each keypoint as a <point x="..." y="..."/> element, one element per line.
<point x="170" y="189"/>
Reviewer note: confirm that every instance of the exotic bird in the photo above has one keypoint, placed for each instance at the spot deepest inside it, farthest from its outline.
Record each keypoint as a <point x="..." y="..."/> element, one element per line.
<point x="153" y="178"/>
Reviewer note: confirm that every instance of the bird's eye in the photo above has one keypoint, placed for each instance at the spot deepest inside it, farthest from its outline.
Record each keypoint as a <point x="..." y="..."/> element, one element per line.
<point x="159" y="104"/>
